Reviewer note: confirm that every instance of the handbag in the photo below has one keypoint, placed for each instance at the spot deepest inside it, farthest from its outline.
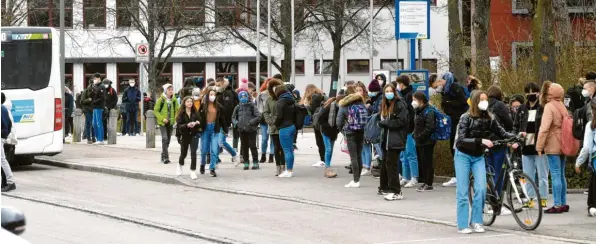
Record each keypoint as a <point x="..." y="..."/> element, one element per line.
<point x="344" y="144"/>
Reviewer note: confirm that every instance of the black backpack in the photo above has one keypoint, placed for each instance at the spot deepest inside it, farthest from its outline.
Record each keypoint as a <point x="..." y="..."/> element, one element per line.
<point x="301" y="113"/>
<point x="579" y="123"/>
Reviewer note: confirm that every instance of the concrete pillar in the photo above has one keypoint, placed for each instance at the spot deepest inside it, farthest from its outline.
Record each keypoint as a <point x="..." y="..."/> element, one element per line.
<point x="112" y="124"/>
<point x="78" y="124"/>
<point x="150" y="134"/>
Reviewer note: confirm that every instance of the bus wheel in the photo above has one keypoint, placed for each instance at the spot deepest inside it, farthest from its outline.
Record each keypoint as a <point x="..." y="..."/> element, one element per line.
<point x="24" y="159"/>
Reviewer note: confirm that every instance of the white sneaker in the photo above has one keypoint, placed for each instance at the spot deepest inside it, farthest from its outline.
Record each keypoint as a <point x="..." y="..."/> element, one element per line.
<point x="451" y="182"/>
<point x="178" y="170"/>
<point x="193" y="175"/>
<point x="286" y="174"/>
<point x="99" y="143"/>
<point x="137" y="134"/>
<point x="478" y="228"/>
<point x="353" y="184"/>
<point x="365" y="172"/>
<point x="119" y="134"/>
<point x="412" y="183"/>
<point x="402" y="182"/>
<point x="505" y="211"/>
<point x="465" y="231"/>
<point x="319" y="164"/>
<point x="393" y="196"/>
<point x="236" y="158"/>
<point x="592" y="212"/>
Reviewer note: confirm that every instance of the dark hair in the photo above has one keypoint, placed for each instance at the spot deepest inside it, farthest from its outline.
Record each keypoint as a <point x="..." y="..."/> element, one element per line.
<point x="420" y="96"/>
<point x="593" y="106"/>
<point x="432" y="78"/>
<point x="3" y="98"/>
<point x="210" y="80"/>
<point x="517" y="98"/>
<point x="278" y="76"/>
<point x="591" y="75"/>
<point x="494" y="91"/>
<point x="403" y="79"/>
<point x="531" y="87"/>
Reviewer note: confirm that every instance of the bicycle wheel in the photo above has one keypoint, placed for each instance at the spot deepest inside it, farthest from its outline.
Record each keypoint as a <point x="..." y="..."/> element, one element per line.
<point x="524" y="199"/>
<point x="488" y="210"/>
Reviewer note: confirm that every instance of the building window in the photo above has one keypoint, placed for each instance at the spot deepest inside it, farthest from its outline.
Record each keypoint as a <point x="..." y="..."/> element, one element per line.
<point x="228" y="13"/>
<point x="252" y="71"/>
<point x="299" y="66"/>
<point x="428" y="64"/>
<point x="68" y="76"/>
<point x="47" y="13"/>
<point x="125" y="72"/>
<point x="195" y="69"/>
<point x="327" y="67"/>
<point x="227" y="70"/>
<point x="580" y="3"/>
<point x="90" y="69"/>
<point x="358" y="66"/>
<point x="94" y="13"/>
<point x="192" y="13"/>
<point x="166" y="75"/>
<point x="126" y="12"/>
<point x="523" y="55"/>
<point x="391" y="65"/>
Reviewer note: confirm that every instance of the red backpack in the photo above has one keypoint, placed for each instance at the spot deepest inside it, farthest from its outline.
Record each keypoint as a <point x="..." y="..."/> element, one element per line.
<point x="569" y="145"/>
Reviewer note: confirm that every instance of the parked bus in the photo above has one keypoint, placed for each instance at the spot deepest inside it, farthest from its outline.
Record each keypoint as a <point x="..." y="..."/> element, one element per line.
<point x="31" y="81"/>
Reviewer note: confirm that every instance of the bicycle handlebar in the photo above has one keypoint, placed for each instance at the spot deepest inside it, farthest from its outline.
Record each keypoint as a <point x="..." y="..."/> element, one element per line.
<point x="508" y="141"/>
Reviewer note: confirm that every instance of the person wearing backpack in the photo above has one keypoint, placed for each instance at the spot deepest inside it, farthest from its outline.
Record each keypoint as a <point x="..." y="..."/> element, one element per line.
<point x="424" y="127"/>
<point x="312" y="100"/>
<point x="261" y="104"/>
<point x="367" y="146"/>
<point x="351" y="119"/>
<point x="285" y="118"/>
<point x="246" y="117"/>
<point x="527" y="123"/>
<point x="165" y="111"/>
<point x="550" y="140"/>
<point x="408" y="157"/>
<point x="329" y="133"/>
<point x="496" y="157"/>
<point x="588" y="154"/>
<point x="270" y="113"/>
<point x="374" y="105"/>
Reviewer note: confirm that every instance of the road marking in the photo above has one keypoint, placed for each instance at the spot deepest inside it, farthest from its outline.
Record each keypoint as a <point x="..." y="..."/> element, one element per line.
<point x="446" y="238"/>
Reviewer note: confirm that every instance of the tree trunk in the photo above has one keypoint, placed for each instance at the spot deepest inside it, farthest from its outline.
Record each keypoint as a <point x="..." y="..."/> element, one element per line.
<point x="481" y="19"/>
<point x="567" y="62"/>
<point x="457" y="63"/>
<point x="544" y="42"/>
<point x="335" y="67"/>
<point x="286" y="26"/>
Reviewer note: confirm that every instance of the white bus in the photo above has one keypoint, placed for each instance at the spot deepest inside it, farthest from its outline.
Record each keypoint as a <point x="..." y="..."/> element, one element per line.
<point x="31" y="81"/>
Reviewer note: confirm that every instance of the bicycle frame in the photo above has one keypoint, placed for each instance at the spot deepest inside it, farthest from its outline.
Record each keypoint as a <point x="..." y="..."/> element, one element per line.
<point x="507" y="171"/>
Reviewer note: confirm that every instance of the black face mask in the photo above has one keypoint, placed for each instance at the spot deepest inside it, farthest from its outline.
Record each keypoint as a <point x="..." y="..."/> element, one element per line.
<point x="532" y="97"/>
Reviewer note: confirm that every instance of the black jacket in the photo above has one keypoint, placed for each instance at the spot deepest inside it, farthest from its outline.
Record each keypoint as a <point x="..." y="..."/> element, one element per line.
<point x="286" y="108"/>
<point x="111" y="98"/>
<point x="326" y="129"/>
<point x="424" y="126"/>
<point x="247" y="117"/>
<point x="454" y="103"/>
<point x="521" y="124"/>
<point x="69" y="104"/>
<point x="407" y="95"/>
<point x="394" y="128"/>
<point x="86" y="100"/>
<point x="182" y="121"/>
<point x="573" y="98"/>
<point x="315" y="102"/>
<point x="500" y="110"/>
<point x="219" y="120"/>
<point x="98" y="96"/>
<point x="229" y="100"/>
<point x="471" y="131"/>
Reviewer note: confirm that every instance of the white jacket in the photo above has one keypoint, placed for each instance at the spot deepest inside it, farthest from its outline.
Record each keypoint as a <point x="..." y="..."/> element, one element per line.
<point x="589" y="147"/>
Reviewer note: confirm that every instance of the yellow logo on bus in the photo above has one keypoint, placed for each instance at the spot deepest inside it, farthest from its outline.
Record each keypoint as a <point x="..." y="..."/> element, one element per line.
<point x="28" y="118"/>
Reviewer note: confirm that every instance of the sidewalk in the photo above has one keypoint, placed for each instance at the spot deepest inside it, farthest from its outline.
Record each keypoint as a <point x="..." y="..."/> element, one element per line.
<point x="310" y="187"/>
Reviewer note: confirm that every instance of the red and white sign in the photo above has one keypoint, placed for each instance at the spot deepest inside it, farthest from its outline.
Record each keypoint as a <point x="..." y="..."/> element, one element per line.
<point x="142" y="51"/>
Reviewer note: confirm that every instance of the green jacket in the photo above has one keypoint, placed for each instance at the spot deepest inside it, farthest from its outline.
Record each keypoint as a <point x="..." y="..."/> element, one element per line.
<point x="161" y="110"/>
<point x="269" y="112"/>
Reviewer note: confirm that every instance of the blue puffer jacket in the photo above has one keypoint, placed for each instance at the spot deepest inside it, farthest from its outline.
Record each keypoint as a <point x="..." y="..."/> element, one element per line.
<point x="131" y="97"/>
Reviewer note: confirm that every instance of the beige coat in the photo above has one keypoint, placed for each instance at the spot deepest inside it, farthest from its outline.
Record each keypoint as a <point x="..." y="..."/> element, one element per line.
<point x="549" y="135"/>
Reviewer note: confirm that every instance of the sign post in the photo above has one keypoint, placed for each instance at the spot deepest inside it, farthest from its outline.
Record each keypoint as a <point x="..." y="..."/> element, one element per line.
<point x="142" y="57"/>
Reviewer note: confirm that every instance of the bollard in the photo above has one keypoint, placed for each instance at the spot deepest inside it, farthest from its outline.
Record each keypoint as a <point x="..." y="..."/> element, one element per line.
<point x="112" y="124"/>
<point x="79" y="125"/>
<point x="150" y="134"/>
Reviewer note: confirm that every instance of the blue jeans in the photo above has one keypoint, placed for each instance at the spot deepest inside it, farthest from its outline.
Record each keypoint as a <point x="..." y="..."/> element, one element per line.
<point x="223" y="143"/>
<point x="495" y="159"/>
<point x="131" y="122"/>
<point x="98" y="123"/>
<point x="557" y="175"/>
<point x="89" y="133"/>
<point x="210" y="145"/>
<point x="534" y="164"/>
<point x="328" y="149"/>
<point x="265" y="140"/>
<point x="409" y="159"/>
<point x="286" y="139"/>
<point x="465" y="163"/>
<point x="366" y="155"/>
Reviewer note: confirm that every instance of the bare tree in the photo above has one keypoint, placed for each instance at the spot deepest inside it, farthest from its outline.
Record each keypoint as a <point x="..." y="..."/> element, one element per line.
<point x="12" y="12"/>
<point x="481" y="19"/>
<point x="457" y="63"/>
<point x="544" y="41"/>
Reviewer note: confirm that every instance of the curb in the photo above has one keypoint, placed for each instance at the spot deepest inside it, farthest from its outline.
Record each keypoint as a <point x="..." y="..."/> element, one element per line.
<point x="443" y="179"/>
<point x="172" y="180"/>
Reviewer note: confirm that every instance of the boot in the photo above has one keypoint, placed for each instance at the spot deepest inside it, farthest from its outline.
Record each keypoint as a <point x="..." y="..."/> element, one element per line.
<point x="255" y="165"/>
<point x="329" y="173"/>
<point x="270" y="158"/>
<point x="283" y="168"/>
<point x="246" y="166"/>
<point x="278" y="171"/>
<point x="263" y="158"/>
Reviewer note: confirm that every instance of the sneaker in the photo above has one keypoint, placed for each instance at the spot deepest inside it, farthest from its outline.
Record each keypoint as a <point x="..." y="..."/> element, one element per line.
<point x="505" y="211"/>
<point x="178" y="170"/>
<point x="319" y="164"/>
<point x="246" y="166"/>
<point x="212" y="172"/>
<point x="202" y="169"/>
<point x="365" y="172"/>
<point x="263" y="158"/>
<point x="137" y="134"/>
<point x="478" y="228"/>
<point x="565" y="208"/>
<point x="352" y="184"/>
<point x="382" y="193"/>
<point x="553" y="210"/>
<point x="425" y="188"/>
<point x="193" y="175"/>
<point x="465" y="231"/>
<point x="393" y="196"/>
<point x="89" y="142"/>
<point x="285" y="174"/>
<point x="255" y="165"/>
<point x="9" y="187"/>
<point x="236" y="158"/>
<point x="592" y="212"/>
<point x="270" y="158"/>
<point x="586" y="192"/>
<point x="329" y="173"/>
<point x="119" y="134"/>
<point x="376" y="173"/>
<point x="451" y="182"/>
<point x="402" y="182"/>
<point x="278" y="170"/>
<point x="412" y="183"/>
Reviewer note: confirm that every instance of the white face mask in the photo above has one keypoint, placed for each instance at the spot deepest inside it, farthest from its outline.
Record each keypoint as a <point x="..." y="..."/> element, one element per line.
<point x="212" y="98"/>
<point x="96" y="81"/>
<point x="398" y="87"/>
<point x="195" y="97"/>
<point x="439" y="88"/>
<point x="415" y="104"/>
<point x="131" y="84"/>
<point x="585" y="93"/>
<point x="483" y="105"/>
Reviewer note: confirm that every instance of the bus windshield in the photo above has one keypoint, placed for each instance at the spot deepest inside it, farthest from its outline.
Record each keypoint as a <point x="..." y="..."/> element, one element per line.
<point x="26" y="64"/>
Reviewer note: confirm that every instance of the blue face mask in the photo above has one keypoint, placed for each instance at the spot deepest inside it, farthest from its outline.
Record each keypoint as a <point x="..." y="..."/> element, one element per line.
<point x="372" y="94"/>
<point x="389" y="95"/>
<point x="244" y="99"/>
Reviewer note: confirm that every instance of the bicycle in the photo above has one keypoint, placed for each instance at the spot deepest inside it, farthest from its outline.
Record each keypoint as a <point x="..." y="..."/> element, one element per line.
<point x="522" y="192"/>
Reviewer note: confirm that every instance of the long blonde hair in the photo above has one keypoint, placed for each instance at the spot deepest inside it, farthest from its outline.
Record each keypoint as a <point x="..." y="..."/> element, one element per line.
<point x="310" y="90"/>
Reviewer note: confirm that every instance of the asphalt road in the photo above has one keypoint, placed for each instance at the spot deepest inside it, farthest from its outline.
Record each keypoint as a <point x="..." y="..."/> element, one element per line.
<point x="195" y="212"/>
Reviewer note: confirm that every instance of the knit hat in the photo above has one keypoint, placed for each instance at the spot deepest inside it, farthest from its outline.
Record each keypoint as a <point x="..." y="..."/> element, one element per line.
<point x="374" y="86"/>
<point x="243" y="86"/>
<point x="242" y="94"/>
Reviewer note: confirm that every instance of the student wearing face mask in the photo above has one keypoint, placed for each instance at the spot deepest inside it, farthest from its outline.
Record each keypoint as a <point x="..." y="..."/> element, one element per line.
<point x="211" y="119"/>
<point x="131" y="97"/>
<point x="527" y="123"/>
<point x="375" y="97"/>
<point x="474" y="131"/>
<point x="246" y="118"/>
<point x="424" y="127"/>
<point x="98" y="103"/>
<point x="111" y="103"/>
<point x="409" y="158"/>
<point x="165" y="111"/>
<point x="496" y="157"/>
<point x="366" y="146"/>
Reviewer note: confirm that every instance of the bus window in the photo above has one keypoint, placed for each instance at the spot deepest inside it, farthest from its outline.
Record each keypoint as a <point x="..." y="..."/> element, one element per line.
<point x="26" y="64"/>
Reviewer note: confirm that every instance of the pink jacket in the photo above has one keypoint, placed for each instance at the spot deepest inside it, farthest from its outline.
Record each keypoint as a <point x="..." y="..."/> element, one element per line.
<point x="549" y="135"/>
